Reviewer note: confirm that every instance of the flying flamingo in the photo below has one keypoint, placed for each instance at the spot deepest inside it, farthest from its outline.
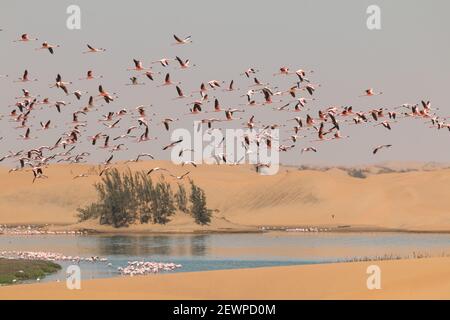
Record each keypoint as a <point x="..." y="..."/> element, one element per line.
<point x="90" y="76"/>
<point x="180" y="177"/>
<point x="46" y="46"/>
<point x="82" y="175"/>
<point x="138" y="66"/>
<point x="231" y="87"/>
<point x="25" y="38"/>
<point x="172" y="144"/>
<point x="112" y="126"/>
<point x="283" y="71"/>
<point x="168" y="81"/>
<point x="381" y="147"/>
<point x="167" y="121"/>
<point x="308" y="149"/>
<point x="369" y="92"/>
<point x="180" y="93"/>
<point x="26" y="136"/>
<point x="156" y="169"/>
<point x="46" y="125"/>
<point x="105" y="94"/>
<point x="135" y="82"/>
<point x="163" y="61"/>
<point x="184" y="64"/>
<point x="249" y="71"/>
<point x="94" y="50"/>
<point x="38" y="173"/>
<point x="182" y="41"/>
<point x="385" y="124"/>
<point x="25" y="77"/>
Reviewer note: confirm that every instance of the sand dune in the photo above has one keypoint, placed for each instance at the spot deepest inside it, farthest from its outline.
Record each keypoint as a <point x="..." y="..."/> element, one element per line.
<point x="244" y="200"/>
<point x="400" y="279"/>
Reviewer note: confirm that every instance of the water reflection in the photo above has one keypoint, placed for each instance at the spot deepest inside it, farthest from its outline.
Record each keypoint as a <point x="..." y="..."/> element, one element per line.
<point x="202" y="252"/>
<point x="157" y="245"/>
<point x="199" y="245"/>
<point x="316" y="247"/>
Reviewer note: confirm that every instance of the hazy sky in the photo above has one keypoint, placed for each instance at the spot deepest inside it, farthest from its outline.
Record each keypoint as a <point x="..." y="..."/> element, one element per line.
<point x="407" y="59"/>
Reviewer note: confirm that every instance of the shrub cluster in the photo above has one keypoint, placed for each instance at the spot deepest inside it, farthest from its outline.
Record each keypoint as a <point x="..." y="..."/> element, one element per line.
<point x="127" y="198"/>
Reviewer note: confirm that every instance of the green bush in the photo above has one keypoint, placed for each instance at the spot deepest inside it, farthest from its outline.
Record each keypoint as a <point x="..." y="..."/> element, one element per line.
<point x="200" y="212"/>
<point x="181" y="199"/>
<point x="126" y="198"/>
<point x="17" y="269"/>
<point x="357" y="173"/>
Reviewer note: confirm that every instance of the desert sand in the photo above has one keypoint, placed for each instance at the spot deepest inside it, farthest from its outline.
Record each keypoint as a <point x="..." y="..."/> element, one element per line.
<point x="244" y="200"/>
<point x="400" y="279"/>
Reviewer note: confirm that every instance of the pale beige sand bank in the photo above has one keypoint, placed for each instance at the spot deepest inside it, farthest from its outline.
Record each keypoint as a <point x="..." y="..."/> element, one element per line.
<point x="400" y="279"/>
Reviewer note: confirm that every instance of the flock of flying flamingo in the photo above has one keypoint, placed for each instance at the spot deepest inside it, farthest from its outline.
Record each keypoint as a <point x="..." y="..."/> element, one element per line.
<point x="322" y="125"/>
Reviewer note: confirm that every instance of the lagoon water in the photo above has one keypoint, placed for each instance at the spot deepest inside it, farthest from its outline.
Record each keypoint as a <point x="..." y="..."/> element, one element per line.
<point x="226" y="251"/>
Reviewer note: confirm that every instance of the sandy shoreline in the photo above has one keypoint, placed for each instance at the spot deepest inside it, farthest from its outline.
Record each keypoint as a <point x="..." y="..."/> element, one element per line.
<point x="400" y="279"/>
<point x="139" y="230"/>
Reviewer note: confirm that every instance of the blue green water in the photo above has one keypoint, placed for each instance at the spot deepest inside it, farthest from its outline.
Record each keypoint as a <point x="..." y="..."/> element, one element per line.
<point x="225" y="251"/>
